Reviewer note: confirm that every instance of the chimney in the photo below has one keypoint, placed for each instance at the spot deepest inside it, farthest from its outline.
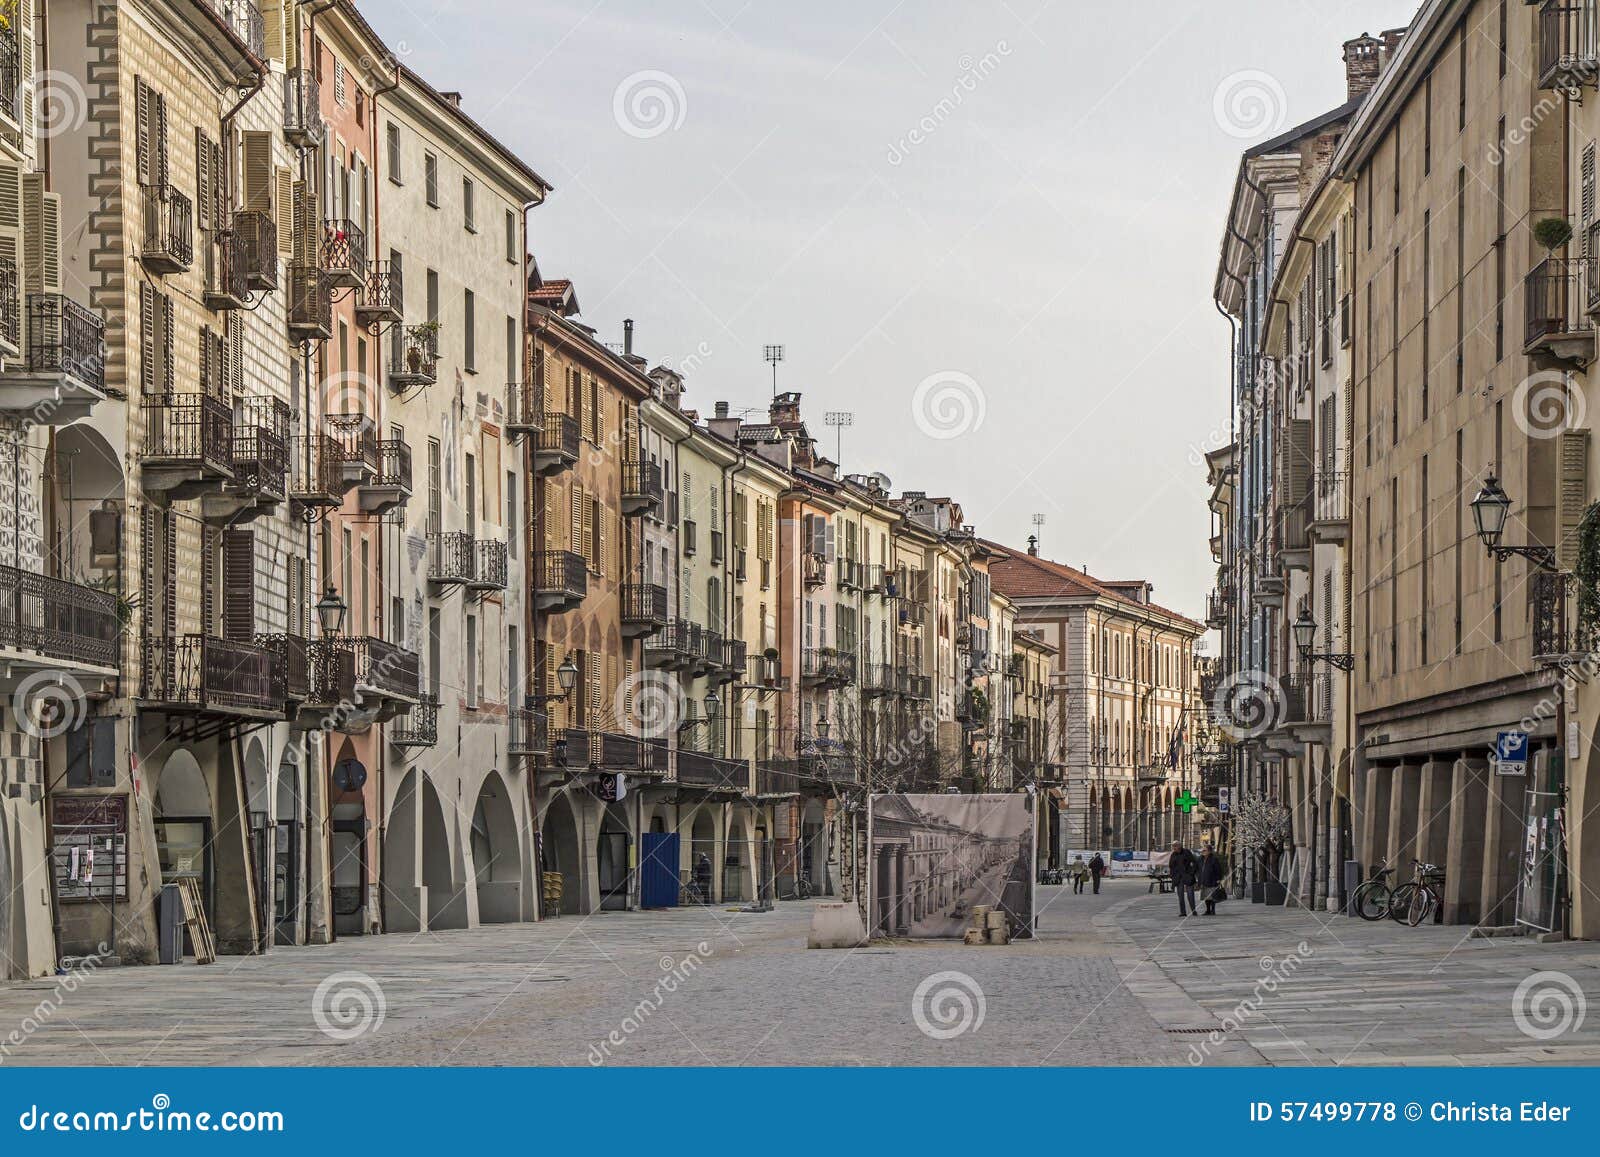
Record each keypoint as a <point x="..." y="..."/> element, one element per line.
<point x="1033" y="546"/>
<point x="627" y="337"/>
<point x="454" y="98"/>
<point x="1363" y="61"/>
<point x="722" y="409"/>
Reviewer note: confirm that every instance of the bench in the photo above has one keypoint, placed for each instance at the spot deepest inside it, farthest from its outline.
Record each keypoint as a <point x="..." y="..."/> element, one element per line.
<point x="1162" y="880"/>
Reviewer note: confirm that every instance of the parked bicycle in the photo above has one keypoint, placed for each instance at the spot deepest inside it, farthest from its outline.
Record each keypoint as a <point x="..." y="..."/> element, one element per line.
<point x="1372" y="898"/>
<point x="1415" y="901"/>
<point x="802" y="887"/>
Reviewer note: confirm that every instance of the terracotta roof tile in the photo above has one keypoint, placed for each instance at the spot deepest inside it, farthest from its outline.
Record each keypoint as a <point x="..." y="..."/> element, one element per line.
<point x="1018" y="574"/>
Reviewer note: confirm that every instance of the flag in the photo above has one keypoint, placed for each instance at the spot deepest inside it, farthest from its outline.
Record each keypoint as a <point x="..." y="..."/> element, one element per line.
<point x="1175" y="748"/>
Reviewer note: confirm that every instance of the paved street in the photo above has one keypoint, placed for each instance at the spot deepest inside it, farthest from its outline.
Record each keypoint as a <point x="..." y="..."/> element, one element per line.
<point x="1113" y="979"/>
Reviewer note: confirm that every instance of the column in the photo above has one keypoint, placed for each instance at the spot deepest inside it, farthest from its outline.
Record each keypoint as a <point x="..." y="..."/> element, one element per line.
<point x="1433" y="811"/>
<point x="1404" y="788"/>
<point x="1372" y="830"/>
<point x="1504" y="828"/>
<point x="1463" y="863"/>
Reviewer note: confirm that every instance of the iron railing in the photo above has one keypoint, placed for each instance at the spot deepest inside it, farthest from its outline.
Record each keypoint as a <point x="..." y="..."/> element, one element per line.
<point x="10" y="72"/>
<point x="558" y="438"/>
<point x="644" y="604"/>
<point x="777" y="777"/>
<point x="58" y="619"/>
<point x="561" y="572"/>
<point x="245" y="21"/>
<point x="418" y="727"/>
<point x="1550" y="297"/>
<point x="291" y="667"/>
<point x="382" y="294"/>
<point x="1330" y="491"/>
<point x="452" y="556"/>
<point x="415" y="359"/>
<point x="393" y="463"/>
<point x="1568" y="52"/>
<point x="318" y="473"/>
<point x="205" y="673"/>
<point x="10" y="304"/>
<point x="189" y="428"/>
<point x="524" y="406"/>
<point x="387" y="668"/>
<point x="641" y="485"/>
<point x="878" y="679"/>
<point x="529" y="732"/>
<point x="261" y="446"/>
<point x="1308" y="698"/>
<point x="357" y="437"/>
<point x="698" y="769"/>
<point x="310" y="303"/>
<point x="344" y="250"/>
<point x="168" y="228"/>
<point x="1550" y="609"/>
<point x="65" y="338"/>
<point x="302" y="107"/>
<point x="490" y="570"/>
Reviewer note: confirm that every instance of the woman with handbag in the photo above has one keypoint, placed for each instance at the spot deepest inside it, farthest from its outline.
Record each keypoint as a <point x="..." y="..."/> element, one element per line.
<point x="1211" y="879"/>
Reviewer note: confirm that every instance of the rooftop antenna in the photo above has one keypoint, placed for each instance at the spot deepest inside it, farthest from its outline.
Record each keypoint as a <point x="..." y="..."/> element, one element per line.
<point x="838" y="419"/>
<point x="1038" y="528"/>
<point x="774" y="355"/>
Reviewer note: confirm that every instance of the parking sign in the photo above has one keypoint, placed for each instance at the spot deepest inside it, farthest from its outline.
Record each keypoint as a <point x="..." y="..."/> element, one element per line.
<point x="1511" y="753"/>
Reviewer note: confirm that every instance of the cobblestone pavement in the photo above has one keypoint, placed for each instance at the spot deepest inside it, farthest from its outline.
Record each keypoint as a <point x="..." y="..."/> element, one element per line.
<point x="1111" y="979"/>
<point x="1362" y="993"/>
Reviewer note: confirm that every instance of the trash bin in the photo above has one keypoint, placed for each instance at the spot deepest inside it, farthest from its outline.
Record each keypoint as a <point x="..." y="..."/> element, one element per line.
<point x="169" y="925"/>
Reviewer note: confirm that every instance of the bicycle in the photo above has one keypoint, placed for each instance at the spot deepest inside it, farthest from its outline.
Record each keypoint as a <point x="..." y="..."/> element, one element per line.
<point x="802" y="887"/>
<point x="1415" y="901"/>
<point x="1373" y="897"/>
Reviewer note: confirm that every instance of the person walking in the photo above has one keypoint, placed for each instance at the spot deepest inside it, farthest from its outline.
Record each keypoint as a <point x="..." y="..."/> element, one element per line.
<point x="1097" y="868"/>
<point x="1211" y="879"/>
<point x="1080" y="874"/>
<point x="1184" y="868"/>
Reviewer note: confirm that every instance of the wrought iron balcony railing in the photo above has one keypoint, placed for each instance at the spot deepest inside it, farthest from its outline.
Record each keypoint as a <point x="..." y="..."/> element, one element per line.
<point x="357" y="437"/>
<point x="387" y="668"/>
<point x="1308" y="698"/>
<point x="310" y="304"/>
<point x="261" y="446"/>
<point x="777" y="777"/>
<point x="10" y="304"/>
<point x="814" y="569"/>
<point x="524" y="407"/>
<point x="452" y="557"/>
<point x="302" y="108"/>
<point x="879" y="679"/>
<point x="1569" y="56"/>
<point x="1555" y="635"/>
<point x="556" y="444"/>
<point x="419" y="726"/>
<point x="65" y="338"/>
<point x="189" y="429"/>
<point x="57" y="619"/>
<point x="415" y="359"/>
<point x="392" y="459"/>
<point x="10" y="73"/>
<point x="381" y="300"/>
<point x="344" y="252"/>
<point x="168" y="229"/>
<point x="642" y="491"/>
<point x="205" y="674"/>
<point x="644" y="605"/>
<point x="490" y="570"/>
<point x="1331" y="495"/>
<point x="291" y="666"/>
<point x="245" y="21"/>
<point x="1551" y="296"/>
<point x="698" y="769"/>
<point x="317" y="475"/>
<point x="560" y="580"/>
<point x="529" y="732"/>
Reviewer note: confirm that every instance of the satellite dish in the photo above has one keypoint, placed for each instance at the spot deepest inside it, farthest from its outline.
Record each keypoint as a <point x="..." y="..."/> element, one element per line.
<point x="883" y="482"/>
<point x="349" y="775"/>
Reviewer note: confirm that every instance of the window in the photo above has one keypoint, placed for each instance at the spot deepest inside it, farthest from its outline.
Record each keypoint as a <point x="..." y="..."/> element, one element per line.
<point x="473" y="678"/>
<point x="433" y="295"/>
<point x="467" y="217"/>
<point x="469" y="355"/>
<point x="511" y="236"/>
<point x="512" y="532"/>
<point x="394" y="153"/>
<point x="430" y="178"/>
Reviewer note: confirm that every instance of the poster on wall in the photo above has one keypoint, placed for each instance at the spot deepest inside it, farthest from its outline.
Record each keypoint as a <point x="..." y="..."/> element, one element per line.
<point x="89" y="846"/>
<point x="934" y="857"/>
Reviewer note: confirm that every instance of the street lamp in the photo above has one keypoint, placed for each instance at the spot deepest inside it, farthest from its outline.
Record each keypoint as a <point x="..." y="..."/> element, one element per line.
<point x="712" y="704"/>
<point x="1305" y="637"/>
<point x="1489" y="510"/>
<point x="566" y="679"/>
<point x="331" y="611"/>
<point x="823" y="727"/>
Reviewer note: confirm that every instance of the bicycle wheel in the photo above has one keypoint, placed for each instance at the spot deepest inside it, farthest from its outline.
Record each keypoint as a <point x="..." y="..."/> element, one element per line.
<point x="1421" y="906"/>
<point x="1372" y="900"/>
<point x="1400" y="900"/>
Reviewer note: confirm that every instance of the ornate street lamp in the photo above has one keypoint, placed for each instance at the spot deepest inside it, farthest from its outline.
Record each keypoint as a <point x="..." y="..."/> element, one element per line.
<point x="1305" y="637"/>
<point x="331" y="611"/>
<point x="1489" y="510"/>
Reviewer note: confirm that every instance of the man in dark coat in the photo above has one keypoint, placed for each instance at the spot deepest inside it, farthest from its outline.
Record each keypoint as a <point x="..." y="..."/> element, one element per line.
<point x="1097" y="868"/>
<point x="1210" y="879"/>
<point x="1184" y="867"/>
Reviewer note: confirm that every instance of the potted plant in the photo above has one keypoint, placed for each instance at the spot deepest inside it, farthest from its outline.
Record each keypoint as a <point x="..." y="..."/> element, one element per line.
<point x="1552" y="232"/>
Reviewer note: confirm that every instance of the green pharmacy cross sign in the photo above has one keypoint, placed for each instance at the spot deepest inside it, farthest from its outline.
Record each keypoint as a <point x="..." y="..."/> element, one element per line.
<point x="1186" y="801"/>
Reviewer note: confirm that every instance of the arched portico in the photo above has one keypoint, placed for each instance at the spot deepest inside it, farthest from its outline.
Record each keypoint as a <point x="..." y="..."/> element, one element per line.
<point x="496" y="854"/>
<point x="562" y="852"/>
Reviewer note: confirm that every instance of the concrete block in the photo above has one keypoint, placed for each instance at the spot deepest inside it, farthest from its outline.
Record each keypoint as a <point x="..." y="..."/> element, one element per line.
<point x="836" y="926"/>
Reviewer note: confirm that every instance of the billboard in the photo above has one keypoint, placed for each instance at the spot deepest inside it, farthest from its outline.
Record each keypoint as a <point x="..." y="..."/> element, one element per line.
<point x="933" y="857"/>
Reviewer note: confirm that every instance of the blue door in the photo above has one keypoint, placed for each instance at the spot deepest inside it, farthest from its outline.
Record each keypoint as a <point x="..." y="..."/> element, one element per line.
<point x="658" y="870"/>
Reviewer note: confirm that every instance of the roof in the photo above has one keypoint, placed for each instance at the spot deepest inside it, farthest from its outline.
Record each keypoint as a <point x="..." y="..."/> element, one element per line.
<point x="557" y="294"/>
<point x="454" y="111"/>
<point x="1020" y="575"/>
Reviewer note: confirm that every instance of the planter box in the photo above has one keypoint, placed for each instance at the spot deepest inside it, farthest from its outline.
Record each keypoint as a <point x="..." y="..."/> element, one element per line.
<point x="1258" y="892"/>
<point x="1276" y="893"/>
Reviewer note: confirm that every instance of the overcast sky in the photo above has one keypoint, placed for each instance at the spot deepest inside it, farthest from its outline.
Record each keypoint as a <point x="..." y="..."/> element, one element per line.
<point x="989" y="230"/>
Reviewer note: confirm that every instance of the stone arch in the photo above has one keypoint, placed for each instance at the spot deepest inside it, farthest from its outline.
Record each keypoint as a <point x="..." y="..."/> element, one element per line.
<point x="446" y="894"/>
<point x="738" y="861"/>
<point x="288" y="852"/>
<point x="613" y="847"/>
<point x="561" y="852"/>
<point x="403" y="904"/>
<point x="496" y="853"/>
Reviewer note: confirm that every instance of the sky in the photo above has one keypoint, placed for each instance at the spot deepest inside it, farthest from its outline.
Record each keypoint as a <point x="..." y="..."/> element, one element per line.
<point x="986" y="231"/>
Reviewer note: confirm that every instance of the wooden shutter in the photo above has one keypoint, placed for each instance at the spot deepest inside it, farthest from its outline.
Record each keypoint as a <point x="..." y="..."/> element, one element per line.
<point x="575" y="542"/>
<point x="258" y="172"/>
<point x="602" y="558"/>
<point x="283" y="209"/>
<point x="159" y="158"/>
<point x="22" y="13"/>
<point x="1295" y="462"/>
<point x="274" y="23"/>
<point x="239" y="585"/>
<point x="1572" y="495"/>
<point x="205" y="196"/>
<point x="588" y="509"/>
<point x="168" y="337"/>
<point x="307" y="226"/>
<point x="142" y="120"/>
<point x="41" y="235"/>
<point x="593" y="663"/>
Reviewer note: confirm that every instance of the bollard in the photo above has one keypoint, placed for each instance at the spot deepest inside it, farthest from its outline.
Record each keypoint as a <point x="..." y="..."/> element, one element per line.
<point x="1352" y="881"/>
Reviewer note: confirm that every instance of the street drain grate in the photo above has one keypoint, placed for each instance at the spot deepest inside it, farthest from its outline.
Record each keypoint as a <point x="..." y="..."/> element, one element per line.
<point x="1192" y="1031"/>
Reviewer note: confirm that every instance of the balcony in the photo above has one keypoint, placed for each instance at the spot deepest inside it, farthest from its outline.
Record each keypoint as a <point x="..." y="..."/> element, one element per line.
<point x="777" y="777"/>
<point x="680" y="646"/>
<point x="913" y="615"/>
<point x="827" y="667"/>
<point x="168" y="230"/>
<point x="1550" y="610"/>
<point x="1218" y="604"/>
<point x="524" y="408"/>
<point x="529" y="732"/>
<point x="452" y="558"/>
<point x="642" y="492"/>
<point x="331" y="685"/>
<point x="205" y="675"/>
<point x="827" y="762"/>
<point x="415" y="360"/>
<point x="725" y="658"/>
<point x="384" y="670"/>
<point x="555" y="446"/>
<point x="245" y="21"/>
<point x="317" y="477"/>
<point x="713" y="772"/>
<point x="879" y="679"/>
<point x="912" y="686"/>
<point x="11" y="76"/>
<point x="1308" y="707"/>
<point x="560" y="581"/>
<point x="240" y="260"/>
<point x="260" y="464"/>
<point x="813" y="569"/>
<point x="302" y="108"/>
<point x="419" y="726"/>
<point x="873" y="580"/>
<point x="381" y="299"/>
<point x="290" y="665"/>
<point x="1269" y="590"/>
<point x="1330" y="496"/>
<point x="188" y="445"/>
<point x="1568" y="57"/>
<point x="344" y="254"/>
<point x="849" y="578"/>
<point x="389" y="485"/>
<point x="310" y="304"/>
<point x="357" y="437"/>
<point x="1294" y="549"/>
<point x="63" y="373"/>
<point x="1556" y="333"/>
<point x="49" y="624"/>
<point x="644" y="609"/>
<point x="490" y="570"/>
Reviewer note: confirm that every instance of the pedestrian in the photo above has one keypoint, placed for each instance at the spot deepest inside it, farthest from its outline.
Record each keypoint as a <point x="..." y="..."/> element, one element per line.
<point x="702" y="877"/>
<point x="1211" y="879"/>
<point x="1184" y="868"/>
<point x="1097" y="868"/>
<point x="1080" y="874"/>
